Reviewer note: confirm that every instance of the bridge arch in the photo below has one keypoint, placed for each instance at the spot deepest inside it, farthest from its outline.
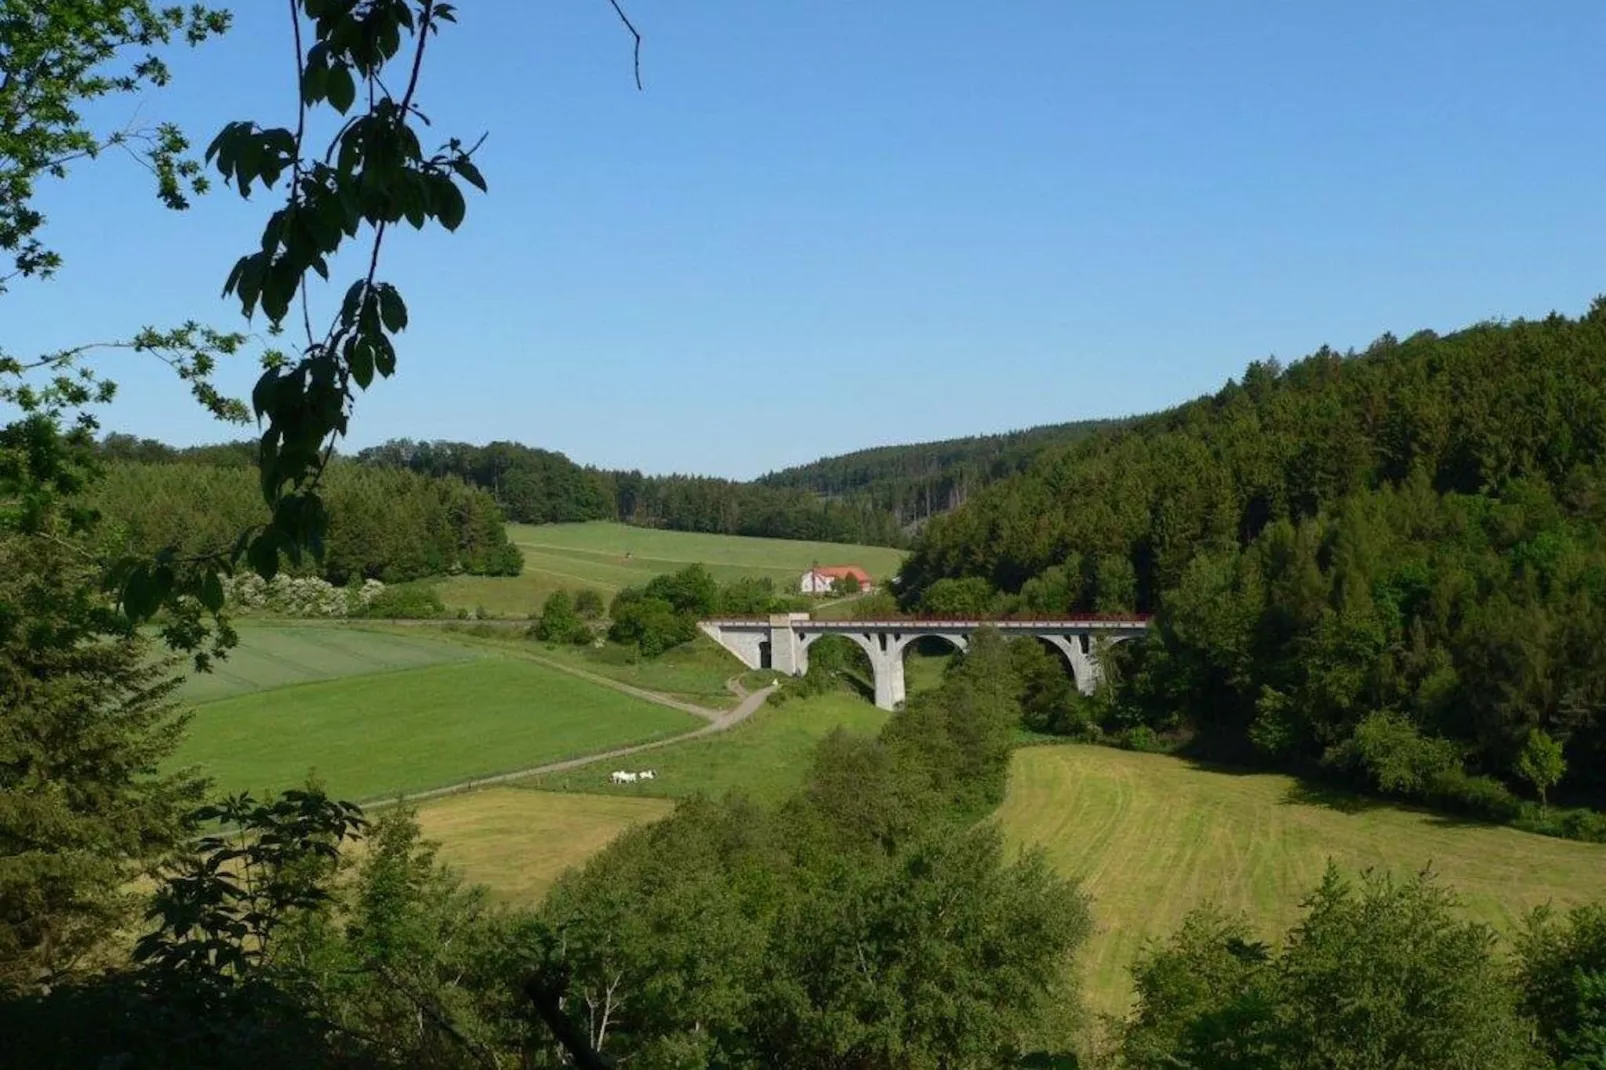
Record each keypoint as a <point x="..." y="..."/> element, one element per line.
<point x="1080" y="642"/>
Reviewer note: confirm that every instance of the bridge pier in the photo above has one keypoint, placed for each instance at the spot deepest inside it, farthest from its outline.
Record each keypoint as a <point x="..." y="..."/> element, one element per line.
<point x="788" y="636"/>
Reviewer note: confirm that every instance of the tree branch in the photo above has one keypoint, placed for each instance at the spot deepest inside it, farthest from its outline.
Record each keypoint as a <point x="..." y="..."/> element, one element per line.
<point x="547" y="996"/>
<point x="617" y="10"/>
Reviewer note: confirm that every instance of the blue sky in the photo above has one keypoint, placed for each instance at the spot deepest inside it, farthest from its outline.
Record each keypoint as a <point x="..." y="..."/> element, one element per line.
<point x="831" y="225"/>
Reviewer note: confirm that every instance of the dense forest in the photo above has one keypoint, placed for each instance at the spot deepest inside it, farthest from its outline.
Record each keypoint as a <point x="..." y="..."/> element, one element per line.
<point x="536" y="486"/>
<point x="916" y="482"/>
<point x="385" y="525"/>
<point x="871" y="496"/>
<point x="1389" y="565"/>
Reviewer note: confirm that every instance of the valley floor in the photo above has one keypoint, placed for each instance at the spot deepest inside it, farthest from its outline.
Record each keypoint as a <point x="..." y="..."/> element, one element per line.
<point x="377" y="712"/>
<point x="1151" y="836"/>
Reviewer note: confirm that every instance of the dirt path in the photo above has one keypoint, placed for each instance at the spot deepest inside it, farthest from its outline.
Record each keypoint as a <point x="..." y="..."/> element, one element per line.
<point x="718" y="721"/>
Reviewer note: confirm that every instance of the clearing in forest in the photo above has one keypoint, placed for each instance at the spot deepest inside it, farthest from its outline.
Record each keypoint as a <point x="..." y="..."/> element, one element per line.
<point x="377" y="736"/>
<point x="607" y="556"/>
<point x="1151" y="836"/>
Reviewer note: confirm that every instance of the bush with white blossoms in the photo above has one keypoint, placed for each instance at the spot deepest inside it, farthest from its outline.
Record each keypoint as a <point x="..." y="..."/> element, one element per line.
<point x="299" y="596"/>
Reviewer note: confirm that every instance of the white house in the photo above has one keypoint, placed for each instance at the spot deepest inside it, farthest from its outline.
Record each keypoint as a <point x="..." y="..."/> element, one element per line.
<point x="823" y="578"/>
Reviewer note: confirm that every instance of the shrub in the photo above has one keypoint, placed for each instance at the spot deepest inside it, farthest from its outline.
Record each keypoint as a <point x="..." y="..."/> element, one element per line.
<point x="408" y="602"/>
<point x="559" y="623"/>
<point x="1141" y="738"/>
<point x="1477" y="796"/>
<point x="1586" y="825"/>
<point x="650" y="624"/>
<point x="300" y="596"/>
<point x="588" y="603"/>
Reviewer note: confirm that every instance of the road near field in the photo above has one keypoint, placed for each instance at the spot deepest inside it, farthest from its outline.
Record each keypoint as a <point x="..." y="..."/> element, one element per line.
<point x="718" y="721"/>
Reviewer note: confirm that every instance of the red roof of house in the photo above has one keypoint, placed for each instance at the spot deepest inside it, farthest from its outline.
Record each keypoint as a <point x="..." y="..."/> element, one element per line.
<point x="836" y="572"/>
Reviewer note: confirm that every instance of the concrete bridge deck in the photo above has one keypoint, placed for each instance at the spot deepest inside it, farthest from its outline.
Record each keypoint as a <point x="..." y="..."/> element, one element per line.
<point x="781" y="642"/>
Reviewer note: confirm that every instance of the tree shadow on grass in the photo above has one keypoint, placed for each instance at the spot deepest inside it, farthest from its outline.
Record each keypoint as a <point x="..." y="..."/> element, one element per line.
<point x="1302" y="792"/>
<point x="1308" y="793"/>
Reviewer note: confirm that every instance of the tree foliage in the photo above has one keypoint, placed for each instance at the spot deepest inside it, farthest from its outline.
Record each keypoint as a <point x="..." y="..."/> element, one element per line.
<point x="1562" y="975"/>
<point x="864" y="922"/>
<point x="86" y="719"/>
<point x="538" y="486"/>
<point x="385" y="525"/>
<point x="918" y="481"/>
<point x="1391" y="563"/>
<point x="1378" y="974"/>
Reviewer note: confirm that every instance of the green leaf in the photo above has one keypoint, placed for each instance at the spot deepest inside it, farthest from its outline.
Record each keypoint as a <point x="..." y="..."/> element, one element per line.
<point x="262" y="396"/>
<point x="360" y="359"/>
<point x="449" y="206"/>
<point x="162" y="580"/>
<point x="264" y="555"/>
<point x="471" y="174"/>
<point x="384" y="356"/>
<point x="352" y="305"/>
<point x="340" y="87"/>
<point x="138" y="600"/>
<point x="392" y="312"/>
<point x="212" y="591"/>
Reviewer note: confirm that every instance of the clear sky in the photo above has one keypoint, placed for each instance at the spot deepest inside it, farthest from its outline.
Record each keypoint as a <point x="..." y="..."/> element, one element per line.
<point x="836" y="224"/>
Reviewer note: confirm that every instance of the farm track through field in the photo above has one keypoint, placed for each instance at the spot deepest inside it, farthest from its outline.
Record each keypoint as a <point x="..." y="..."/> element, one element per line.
<point x="718" y="721"/>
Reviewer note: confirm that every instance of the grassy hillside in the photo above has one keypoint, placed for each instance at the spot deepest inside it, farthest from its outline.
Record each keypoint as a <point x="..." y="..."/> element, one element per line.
<point x="1151" y="836"/>
<point x="519" y="842"/>
<point x="764" y="756"/>
<point x="379" y="735"/>
<point x="608" y="556"/>
<point x="278" y="655"/>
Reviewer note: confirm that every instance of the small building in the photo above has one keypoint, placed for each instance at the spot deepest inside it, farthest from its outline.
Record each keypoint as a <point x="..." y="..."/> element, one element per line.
<point x="822" y="579"/>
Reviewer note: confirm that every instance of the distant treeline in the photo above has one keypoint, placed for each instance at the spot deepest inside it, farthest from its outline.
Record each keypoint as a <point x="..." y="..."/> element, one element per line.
<point x="918" y="481"/>
<point x="386" y="525"/>
<point x="1389" y="565"/>
<point x="536" y="486"/>
<point x="872" y="496"/>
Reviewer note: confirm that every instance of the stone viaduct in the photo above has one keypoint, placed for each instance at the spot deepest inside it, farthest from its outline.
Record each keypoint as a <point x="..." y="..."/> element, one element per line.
<point x="782" y="642"/>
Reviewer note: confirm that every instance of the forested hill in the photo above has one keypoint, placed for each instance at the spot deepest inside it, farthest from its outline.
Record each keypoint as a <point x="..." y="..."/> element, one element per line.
<point x="1392" y="562"/>
<point x="917" y="481"/>
<point x="535" y="486"/>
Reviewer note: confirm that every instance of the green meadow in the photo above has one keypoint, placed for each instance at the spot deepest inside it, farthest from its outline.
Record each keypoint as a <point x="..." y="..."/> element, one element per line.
<point x="607" y="557"/>
<point x="371" y="735"/>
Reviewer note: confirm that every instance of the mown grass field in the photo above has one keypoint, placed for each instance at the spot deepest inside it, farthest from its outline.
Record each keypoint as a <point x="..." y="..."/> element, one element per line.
<point x="607" y="557"/>
<point x="1151" y="836"/>
<point x="764" y="756"/>
<point x="379" y="735"/>
<point x="518" y="842"/>
<point x="279" y="655"/>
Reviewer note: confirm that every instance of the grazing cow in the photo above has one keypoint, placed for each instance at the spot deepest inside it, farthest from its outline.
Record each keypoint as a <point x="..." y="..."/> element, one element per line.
<point x="621" y="777"/>
<point x="647" y="774"/>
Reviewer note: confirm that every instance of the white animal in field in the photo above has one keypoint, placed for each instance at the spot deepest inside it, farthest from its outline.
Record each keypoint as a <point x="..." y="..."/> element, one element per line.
<point x="621" y="777"/>
<point x="647" y="774"/>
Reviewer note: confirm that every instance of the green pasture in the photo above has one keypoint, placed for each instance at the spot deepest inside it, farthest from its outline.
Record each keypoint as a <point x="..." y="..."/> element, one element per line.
<point x="279" y="655"/>
<point x="607" y="556"/>
<point x="384" y="734"/>
<point x="1152" y="836"/>
<point x="695" y="672"/>
<point x="764" y="756"/>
